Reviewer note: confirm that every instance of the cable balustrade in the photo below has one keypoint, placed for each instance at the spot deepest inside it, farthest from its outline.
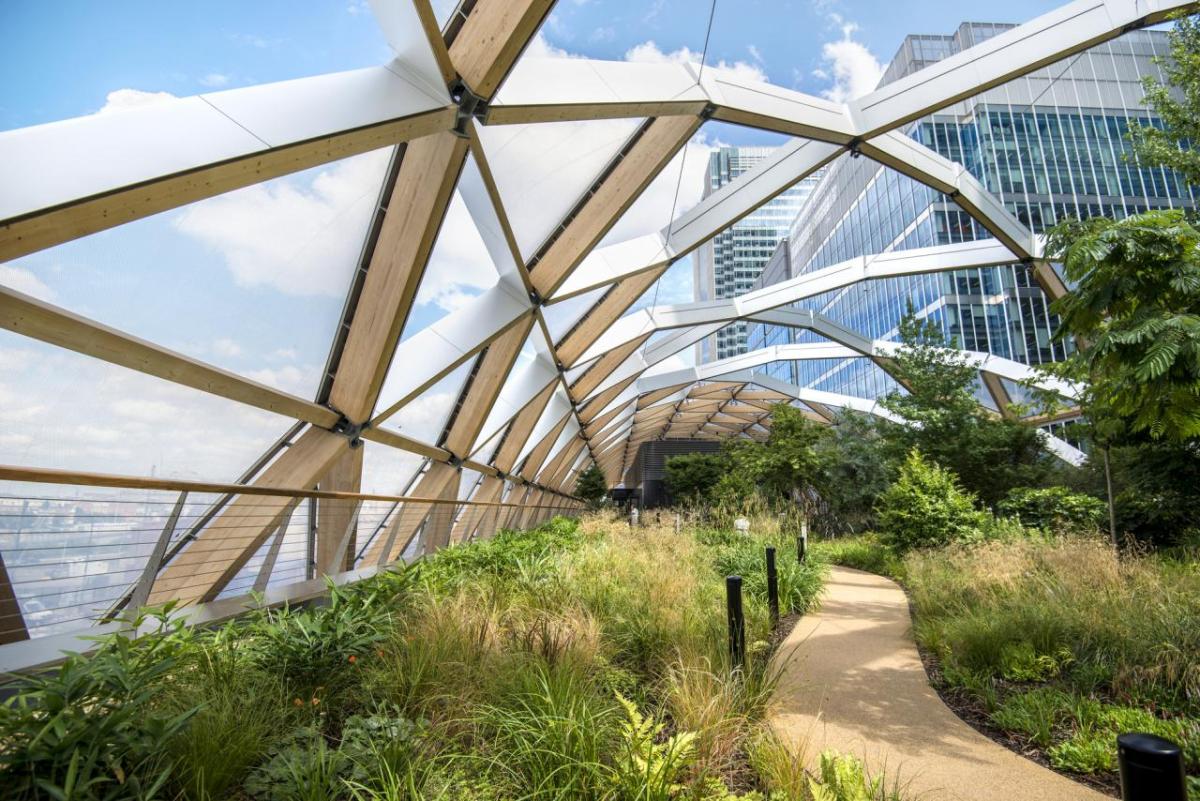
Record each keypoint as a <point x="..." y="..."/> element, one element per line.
<point x="77" y="562"/>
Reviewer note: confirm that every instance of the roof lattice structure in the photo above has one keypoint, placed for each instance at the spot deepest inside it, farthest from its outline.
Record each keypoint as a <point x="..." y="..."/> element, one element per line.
<point x="550" y="372"/>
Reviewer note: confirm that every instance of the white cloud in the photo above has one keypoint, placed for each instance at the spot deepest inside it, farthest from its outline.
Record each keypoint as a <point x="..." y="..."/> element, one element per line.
<point x="299" y="380"/>
<point x="755" y="54"/>
<point x="113" y="420"/>
<point x="853" y="69"/>
<point x="214" y="80"/>
<point x="226" y="347"/>
<point x="356" y="7"/>
<point x="144" y="410"/>
<point x="300" y="235"/>
<point x="649" y="52"/>
<point x="124" y="99"/>
<point x="23" y="280"/>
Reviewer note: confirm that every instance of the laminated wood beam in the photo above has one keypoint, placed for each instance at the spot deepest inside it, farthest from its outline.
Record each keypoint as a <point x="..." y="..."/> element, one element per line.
<point x="416" y="208"/>
<point x="657" y="143"/>
<point x="210" y="561"/>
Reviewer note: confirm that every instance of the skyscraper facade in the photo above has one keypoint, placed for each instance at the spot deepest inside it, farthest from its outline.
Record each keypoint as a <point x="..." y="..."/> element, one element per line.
<point x="1049" y="145"/>
<point x="729" y="264"/>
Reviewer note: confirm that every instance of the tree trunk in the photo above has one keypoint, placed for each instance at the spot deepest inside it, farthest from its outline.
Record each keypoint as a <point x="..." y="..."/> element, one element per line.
<point x="1112" y="517"/>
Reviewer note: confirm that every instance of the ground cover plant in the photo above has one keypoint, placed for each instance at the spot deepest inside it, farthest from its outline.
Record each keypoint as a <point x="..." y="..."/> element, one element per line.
<point x="575" y="661"/>
<point x="1057" y="641"/>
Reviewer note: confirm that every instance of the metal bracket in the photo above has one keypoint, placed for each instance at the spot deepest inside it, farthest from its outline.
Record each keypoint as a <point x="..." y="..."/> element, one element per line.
<point x="535" y="298"/>
<point x="352" y="431"/>
<point x="454" y="460"/>
<point x="855" y="147"/>
<point x="470" y="106"/>
<point x="708" y="112"/>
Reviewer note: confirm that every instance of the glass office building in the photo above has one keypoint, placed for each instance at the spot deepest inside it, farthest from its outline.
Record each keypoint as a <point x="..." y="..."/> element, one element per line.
<point x="729" y="264"/>
<point x="1047" y="145"/>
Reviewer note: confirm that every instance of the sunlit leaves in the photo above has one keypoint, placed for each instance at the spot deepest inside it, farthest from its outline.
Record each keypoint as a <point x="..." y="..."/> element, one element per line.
<point x="1135" y="314"/>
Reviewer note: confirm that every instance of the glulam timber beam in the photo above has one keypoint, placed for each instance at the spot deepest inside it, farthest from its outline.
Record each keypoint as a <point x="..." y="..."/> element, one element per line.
<point x="417" y="206"/>
<point x="486" y="45"/>
<point x="654" y="146"/>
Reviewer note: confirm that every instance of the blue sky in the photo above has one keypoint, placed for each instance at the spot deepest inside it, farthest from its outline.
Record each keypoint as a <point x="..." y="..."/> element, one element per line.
<point x="254" y="281"/>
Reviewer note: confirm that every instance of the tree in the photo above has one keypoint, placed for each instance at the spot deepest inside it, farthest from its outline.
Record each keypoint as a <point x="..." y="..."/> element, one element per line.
<point x="988" y="452"/>
<point x="857" y="471"/>
<point x="691" y="476"/>
<point x="1178" y="112"/>
<point x="592" y="486"/>
<point x="1134" y="314"/>
<point x="926" y="508"/>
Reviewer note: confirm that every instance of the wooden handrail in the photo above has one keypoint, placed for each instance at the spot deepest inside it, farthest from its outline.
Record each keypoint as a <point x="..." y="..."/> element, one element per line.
<point x="44" y="475"/>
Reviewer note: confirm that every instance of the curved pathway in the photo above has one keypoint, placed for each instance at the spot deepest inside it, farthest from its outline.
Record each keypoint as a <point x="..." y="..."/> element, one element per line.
<point x="851" y="680"/>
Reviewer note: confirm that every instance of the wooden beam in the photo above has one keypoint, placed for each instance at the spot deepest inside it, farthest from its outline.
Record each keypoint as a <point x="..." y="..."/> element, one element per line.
<point x="334" y="517"/>
<point x="205" y="566"/>
<point x="20" y="236"/>
<point x="12" y="622"/>
<point x="491" y="39"/>
<point x="521" y="427"/>
<point x="478" y="398"/>
<point x="533" y="461"/>
<point x="606" y="311"/>
<point x="390" y="544"/>
<point x="658" y="142"/>
<point x="602" y="368"/>
<point x="594" y="406"/>
<point x="422" y="192"/>
<point x="33" y="318"/>
<point x="436" y="534"/>
<point x="488" y="490"/>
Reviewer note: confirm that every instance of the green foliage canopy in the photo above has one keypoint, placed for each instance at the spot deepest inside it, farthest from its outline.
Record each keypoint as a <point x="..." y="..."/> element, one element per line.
<point x="1135" y="313"/>
<point x="925" y="507"/>
<point x="989" y="453"/>
<point x="592" y="485"/>
<point x="691" y="476"/>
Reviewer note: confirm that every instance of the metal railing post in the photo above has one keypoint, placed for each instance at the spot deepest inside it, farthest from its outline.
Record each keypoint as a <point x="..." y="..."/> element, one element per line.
<point x="802" y="542"/>
<point x="1151" y="768"/>
<point x="737" y="622"/>
<point x="772" y="587"/>
<point x="154" y="562"/>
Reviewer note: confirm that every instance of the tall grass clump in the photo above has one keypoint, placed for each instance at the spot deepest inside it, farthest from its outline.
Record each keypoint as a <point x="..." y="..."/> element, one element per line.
<point x="1066" y="643"/>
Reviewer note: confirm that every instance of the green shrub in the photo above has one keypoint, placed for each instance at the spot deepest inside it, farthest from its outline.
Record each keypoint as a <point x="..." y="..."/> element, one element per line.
<point x="925" y="507"/>
<point x="509" y="556"/>
<point x="315" y="650"/>
<point x="306" y="768"/>
<point x="89" y="730"/>
<point x="1053" y="508"/>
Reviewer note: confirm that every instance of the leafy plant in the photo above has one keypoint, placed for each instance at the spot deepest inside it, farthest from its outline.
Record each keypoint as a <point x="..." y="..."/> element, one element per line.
<point x="1134" y="311"/>
<point x="691" y="477"/>
<point x="89" y="730"/>
<point x="989" y="454"/>
<point x="592" y="486"/>
<point x="1053" y="508"/>
<point x="306" y="768"/>
<point x="648" y="763"/>
<point x="925" y="507"/>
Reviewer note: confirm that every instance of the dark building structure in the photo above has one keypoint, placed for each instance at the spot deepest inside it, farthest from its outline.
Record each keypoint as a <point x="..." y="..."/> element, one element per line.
<point x="646" y="477"/>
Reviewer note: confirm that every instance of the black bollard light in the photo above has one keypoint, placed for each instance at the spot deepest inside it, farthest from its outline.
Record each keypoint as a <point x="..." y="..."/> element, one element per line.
<point x="1151" y="768"/>
<point x="737" y="622"/>
<point x="772" y="587"/>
